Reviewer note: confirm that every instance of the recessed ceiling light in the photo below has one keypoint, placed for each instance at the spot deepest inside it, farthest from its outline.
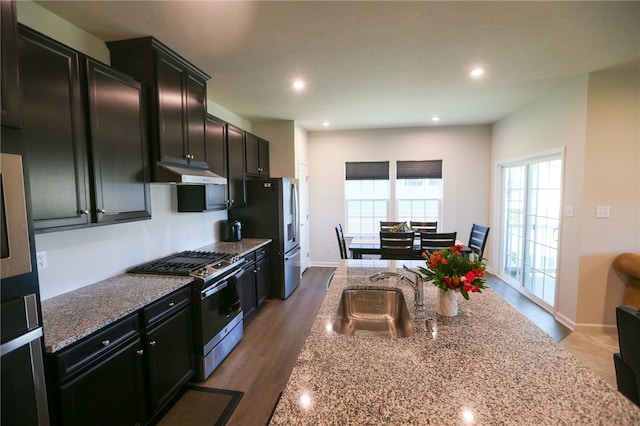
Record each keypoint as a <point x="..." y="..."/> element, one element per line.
<point x="477" y="72"/>
<point x="326" y="124"/>
<point x="298" y="85"/>
<point x="435" y="118"/>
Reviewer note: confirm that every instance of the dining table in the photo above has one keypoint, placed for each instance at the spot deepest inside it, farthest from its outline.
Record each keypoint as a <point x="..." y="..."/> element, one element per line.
<point x="370" y="245"/>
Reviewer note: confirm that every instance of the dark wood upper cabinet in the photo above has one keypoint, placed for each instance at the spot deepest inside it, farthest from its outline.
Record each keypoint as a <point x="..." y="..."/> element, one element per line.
<point x="216" y="145"/>
<point x="85" y="139"/>
<point x="257" y="156"/>
<point x="118" y="145"/>
<point x="54" y="132"/>
<point x="236" y="167"/>
<point x="10" y="93"/>
<point x="176" y="96"/>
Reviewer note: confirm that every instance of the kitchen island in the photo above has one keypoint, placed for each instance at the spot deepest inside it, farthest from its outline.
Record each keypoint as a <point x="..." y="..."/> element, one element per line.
<point x="488" y="365"/>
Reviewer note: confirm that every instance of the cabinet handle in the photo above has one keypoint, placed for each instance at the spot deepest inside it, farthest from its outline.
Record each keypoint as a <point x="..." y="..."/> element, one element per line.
<point x="152" y="343"/>
<point x="171" y="304"/>
<point x="85" y="211"/>
<point x="105" y="342"/>
<point x="140" y="352"/>
<point x="103" y="211"/>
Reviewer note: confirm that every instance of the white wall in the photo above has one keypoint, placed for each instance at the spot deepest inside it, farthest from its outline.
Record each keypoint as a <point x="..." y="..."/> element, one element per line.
<point x="465" y="151"/>
<point x="595" y="120"/>
<point x="81" y="257"/>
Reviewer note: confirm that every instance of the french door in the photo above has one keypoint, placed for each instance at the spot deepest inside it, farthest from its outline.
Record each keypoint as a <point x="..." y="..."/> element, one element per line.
<point x="531" y="197"/>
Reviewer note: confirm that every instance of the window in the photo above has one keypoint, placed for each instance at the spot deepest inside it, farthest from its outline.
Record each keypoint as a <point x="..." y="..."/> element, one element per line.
<point x="419" y="190"/>
<point x="366" y="196"/>
<point x="369" y="199"/>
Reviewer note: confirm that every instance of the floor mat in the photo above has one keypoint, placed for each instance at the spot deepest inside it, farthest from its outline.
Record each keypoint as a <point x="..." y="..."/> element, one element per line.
<point x="200" y="406"/>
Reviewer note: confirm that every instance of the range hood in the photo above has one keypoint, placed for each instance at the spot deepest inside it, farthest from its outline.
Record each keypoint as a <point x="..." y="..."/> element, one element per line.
<point x="178" y="174"/>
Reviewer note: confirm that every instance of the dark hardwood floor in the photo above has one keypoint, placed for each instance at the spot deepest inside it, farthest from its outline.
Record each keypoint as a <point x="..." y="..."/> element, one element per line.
<point x="262" y="362"/>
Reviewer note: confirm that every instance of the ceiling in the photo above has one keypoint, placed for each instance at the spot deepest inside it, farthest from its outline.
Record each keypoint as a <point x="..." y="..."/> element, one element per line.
<point x="376" y="64"/>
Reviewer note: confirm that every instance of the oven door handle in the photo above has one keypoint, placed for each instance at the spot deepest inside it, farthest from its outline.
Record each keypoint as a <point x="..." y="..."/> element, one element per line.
<point x="209" y="291"/>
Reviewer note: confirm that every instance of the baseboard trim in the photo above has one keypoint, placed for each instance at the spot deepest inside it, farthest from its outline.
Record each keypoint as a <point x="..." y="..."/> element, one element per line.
<point x="597" y="328"/>
<point x="567" y="322"/>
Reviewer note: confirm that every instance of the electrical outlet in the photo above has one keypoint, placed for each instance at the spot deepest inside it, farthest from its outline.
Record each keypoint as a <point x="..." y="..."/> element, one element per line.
<point x="41" y="259"/>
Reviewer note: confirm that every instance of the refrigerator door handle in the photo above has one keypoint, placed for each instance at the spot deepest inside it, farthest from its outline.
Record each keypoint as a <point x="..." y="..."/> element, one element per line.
<point x="292" y="254"/>
<point x="294" y="207"/>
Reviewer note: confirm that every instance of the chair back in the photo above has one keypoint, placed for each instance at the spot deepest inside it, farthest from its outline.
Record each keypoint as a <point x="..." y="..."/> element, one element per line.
<point x="423" y="226"/>
<point x="388" y="226"/>
<point x="396" y="245"/>
<point x="627" y="361"/>
<point x="341" y="243"/>
<point x="478" y="238"/>
<point x="431" y="241"/>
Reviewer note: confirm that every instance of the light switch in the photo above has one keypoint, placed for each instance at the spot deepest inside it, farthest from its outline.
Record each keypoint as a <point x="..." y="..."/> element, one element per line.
<point x="602" y="211"/>
<point x="568" y="211"/>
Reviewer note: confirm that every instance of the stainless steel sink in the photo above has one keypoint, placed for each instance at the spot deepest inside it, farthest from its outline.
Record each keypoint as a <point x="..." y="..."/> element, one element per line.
<point x="373" y="312"/>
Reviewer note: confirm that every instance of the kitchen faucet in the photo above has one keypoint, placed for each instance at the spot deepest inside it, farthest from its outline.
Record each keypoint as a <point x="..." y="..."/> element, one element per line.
<point x="417" y="285"/>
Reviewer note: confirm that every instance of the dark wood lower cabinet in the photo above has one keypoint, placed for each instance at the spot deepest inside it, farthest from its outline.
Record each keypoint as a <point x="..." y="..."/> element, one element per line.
<point x="111" y="393"/>
<point x="254" y="284"/>
<point x="171" y="365"/>
<point x="247" y="291"/>
<point x="122" y="375"/>
<point x="263" y="277"/>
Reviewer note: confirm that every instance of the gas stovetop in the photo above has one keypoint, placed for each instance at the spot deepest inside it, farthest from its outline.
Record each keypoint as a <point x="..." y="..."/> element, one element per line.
<point x="203" y="265"/>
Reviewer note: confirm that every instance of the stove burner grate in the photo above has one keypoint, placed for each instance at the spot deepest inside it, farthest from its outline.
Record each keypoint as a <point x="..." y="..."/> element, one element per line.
<point x="183" y="263"/>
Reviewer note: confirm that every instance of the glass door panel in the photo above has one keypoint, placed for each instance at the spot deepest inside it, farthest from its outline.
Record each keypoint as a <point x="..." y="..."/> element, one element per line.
<point x="532" y="194"/>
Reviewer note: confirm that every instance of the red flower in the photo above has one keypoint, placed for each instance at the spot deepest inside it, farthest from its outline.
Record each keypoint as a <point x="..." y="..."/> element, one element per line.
<point x="470" y="277"/>
<point x="466" y="287"/>
<point x="475" y="289"/>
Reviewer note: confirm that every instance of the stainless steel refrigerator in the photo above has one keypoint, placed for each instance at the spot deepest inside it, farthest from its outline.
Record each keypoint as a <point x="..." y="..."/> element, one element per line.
<point x="272" y="212"/>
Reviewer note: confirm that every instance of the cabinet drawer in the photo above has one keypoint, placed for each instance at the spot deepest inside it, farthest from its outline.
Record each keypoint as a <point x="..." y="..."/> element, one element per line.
<point x="96" y="346"/>
<point x="166" y="306"/>
<point x="262" y="252"/>
<point x="249" y="258"/>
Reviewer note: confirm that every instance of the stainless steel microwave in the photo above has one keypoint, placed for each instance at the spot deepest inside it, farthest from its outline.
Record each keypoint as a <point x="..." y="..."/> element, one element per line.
<point x="15" y="256"/>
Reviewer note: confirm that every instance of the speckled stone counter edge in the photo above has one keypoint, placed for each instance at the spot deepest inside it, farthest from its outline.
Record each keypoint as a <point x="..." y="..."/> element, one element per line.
<point x="71" y="316"/>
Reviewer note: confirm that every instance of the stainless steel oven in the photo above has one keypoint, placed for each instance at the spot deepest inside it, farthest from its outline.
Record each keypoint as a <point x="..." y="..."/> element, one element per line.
<point x="219" y="320"/>
<point x="14" y="235"/>
<point x="23" y="394"/>
<point x="217" y="310"/>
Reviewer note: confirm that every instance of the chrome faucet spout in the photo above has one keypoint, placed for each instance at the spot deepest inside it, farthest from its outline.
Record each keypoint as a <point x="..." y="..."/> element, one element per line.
<point x="417" y="287"/>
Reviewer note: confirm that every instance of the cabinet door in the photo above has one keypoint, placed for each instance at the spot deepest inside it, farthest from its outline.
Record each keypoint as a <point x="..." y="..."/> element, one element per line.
<point x="54" y="131"/>
<point x="119" y="145"/>
<point x="171" y="357"/>
<point x="263" y="283"/>
<point x="10" y="93"/>
<point x="216" y="145"/>
<point x="171" y="98"/>
<point x="196" y="104"/>
<point x="263" y="157"/>
<point x="235" y="162"/>
<point x="252" y="164"/>
<point x="111" y="393"/>
<point x="247" y="291"/>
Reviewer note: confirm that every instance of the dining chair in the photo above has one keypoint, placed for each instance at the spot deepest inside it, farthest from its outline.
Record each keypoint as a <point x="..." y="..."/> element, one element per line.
<point x="396" y="245"/>
<point x="478" y="238"/>
<point x="430" y="241"/>
<point x="423" y="226"/>
<point x="341" y="243"/>
<point x="388" y="226"/>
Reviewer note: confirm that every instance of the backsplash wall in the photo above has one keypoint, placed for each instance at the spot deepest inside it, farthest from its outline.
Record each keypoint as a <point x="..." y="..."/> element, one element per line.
<point x="81" y="257"/>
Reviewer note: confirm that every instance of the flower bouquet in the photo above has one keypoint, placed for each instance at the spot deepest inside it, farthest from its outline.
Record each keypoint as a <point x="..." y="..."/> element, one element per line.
<point x="402" y="227"/>
<point x="451" y="269"/>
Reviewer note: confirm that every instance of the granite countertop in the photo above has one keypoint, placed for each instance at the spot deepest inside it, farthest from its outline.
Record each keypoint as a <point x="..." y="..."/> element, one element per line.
<point x="71" y="316"/>
<point x="488" y="365"/>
